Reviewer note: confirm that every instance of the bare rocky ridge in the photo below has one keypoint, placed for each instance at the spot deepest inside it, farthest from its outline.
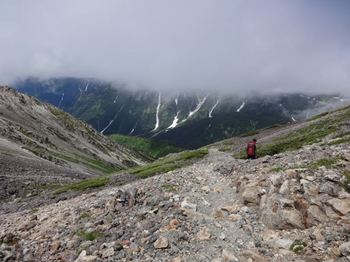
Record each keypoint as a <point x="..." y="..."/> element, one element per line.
<point x="41" y="145"/>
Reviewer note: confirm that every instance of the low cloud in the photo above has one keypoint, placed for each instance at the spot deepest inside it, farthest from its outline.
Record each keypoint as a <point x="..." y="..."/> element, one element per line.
<point x="234" y="46"/>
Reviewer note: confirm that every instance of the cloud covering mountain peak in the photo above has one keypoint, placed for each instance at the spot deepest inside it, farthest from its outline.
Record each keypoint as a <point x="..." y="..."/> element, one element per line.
<point x="237" y="46"/>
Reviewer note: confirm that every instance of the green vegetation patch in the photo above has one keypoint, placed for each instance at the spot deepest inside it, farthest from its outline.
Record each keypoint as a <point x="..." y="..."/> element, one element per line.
<point x="84" y="215"/>
<point x="313" y="133"/>
<point x="298" y="246"/>
<point x="91" y="163"/>
<point x="225" y="148"/>
<point x="325" y="162"/>
<point x="155" y="149"/>
<point x="305" y="136"/>
<point x="169" y="187"/>
<point x="168" y="164"/>
<point x="84" y="184"/>
<point x="158" y="167"/>
<point x="344" y="140"/>
<point x="91" y="236"/>
<point x="276" y="169"/>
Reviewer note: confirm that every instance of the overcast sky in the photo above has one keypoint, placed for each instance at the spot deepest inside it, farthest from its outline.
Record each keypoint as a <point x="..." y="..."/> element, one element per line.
<point x="234" y="45"/>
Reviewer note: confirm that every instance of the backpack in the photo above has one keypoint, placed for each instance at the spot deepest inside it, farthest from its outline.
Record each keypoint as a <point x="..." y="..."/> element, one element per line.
<point x="251" y="149"/>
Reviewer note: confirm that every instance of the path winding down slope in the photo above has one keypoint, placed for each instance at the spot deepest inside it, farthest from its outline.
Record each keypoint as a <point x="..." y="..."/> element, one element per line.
<point x="218" y="209"/>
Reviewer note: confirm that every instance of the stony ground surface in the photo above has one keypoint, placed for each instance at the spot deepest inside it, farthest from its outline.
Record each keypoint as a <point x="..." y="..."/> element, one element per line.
<point x="219" y="209"/>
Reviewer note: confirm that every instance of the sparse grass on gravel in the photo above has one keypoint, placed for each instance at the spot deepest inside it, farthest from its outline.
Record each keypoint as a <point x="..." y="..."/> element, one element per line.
<point x="323" y="162"/>
<point x="89" y="162"/>
<point x="83" y="185"/>
<point x="168" y="164"/>
<point x="276" y="169"/>
<point x="305" y="136"/>
<point x="90" y="236"/>
<point x="168" y="188"/>
<point x="155" y="149"/>
<point x="310" y="134"/>
<point x="160" y="166"/>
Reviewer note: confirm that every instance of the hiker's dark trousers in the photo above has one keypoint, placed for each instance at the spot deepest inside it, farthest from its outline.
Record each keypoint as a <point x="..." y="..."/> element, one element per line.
<point x="252" y="157"/>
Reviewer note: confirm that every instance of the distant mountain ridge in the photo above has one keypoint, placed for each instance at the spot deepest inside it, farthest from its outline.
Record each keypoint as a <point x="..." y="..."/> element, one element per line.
<point x="185" y="120"/>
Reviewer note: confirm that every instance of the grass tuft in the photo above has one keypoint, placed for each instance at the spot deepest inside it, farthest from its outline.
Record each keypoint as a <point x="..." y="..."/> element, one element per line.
<point x="276" y="169"/>
<point x="298" y="246"/>
<point x="168" y="164"/>
<point x="169" y="188"/>
<point x="83" y="185"/>
<point x="91" y="236"/>
<point x="323" y="162"/>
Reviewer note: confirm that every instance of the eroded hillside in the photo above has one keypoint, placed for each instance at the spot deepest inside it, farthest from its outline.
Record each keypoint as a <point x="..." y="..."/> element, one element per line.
<point x="41" y="145"/>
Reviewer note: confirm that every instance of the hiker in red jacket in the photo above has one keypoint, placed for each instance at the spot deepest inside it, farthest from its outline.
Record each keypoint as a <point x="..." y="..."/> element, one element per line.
<point x="251" y="149"/>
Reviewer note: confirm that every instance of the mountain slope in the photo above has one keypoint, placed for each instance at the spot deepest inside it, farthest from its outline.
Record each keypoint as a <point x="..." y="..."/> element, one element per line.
<point x="186" y="120"/>
<point x="151" y="147"/>
<point x="292" y="205"/>
<point x="41" y="145"/>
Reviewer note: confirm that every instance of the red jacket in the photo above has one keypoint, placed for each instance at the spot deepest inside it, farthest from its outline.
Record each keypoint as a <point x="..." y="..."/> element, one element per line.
<point x="251" y="148"/>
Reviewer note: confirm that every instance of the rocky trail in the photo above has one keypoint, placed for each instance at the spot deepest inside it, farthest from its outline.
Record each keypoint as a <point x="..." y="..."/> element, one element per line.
<point x="218" y="209"/>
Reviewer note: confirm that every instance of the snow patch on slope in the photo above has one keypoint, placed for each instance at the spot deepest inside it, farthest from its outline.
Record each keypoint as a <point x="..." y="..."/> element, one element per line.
<point x="241" y="107"/>
<point x="60" y="102"/>
<point x="109" y="124"/>
<point x="175" y="121"/>
<point x="212" y="109"/>
<point x="133" y="129"/>
<point x="115" y="100"/>
<point x="157" y="113"/>
<point x="198" y="107"/>
<point x="111" y="121"/>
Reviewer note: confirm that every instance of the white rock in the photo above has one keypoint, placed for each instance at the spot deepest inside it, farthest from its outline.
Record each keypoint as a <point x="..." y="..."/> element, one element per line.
<point x="84" y="258"/>
<point x="108" y="252"/>
<point x="284" y="189"/>
<point x="206" y="189"/>
<point x="282" y="243"/>
<point x="186" y="204"/>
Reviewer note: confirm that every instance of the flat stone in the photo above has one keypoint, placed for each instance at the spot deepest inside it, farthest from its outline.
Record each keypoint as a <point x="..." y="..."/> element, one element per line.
<point x="284" y="189"/>
<point x="231" y="209"/>
<point x="316" y="213"/>
<point x="283" y="243"/>
<point x="253" y="256"/>
<point x="218" y="214"/>
<point x="85" y="258"/>
<point x="161" y="243"/>
<point x="55" y="246"/>
<point x="108" y="252"/>
<point x="251" y="195"/>
<point x="176" y="259"/>
<point x="188" y="205"/>
<point x="206" y="189"/>
<point x="228" y="256"/>
<point x="344" y="249"/>
<point x="234" y="217"/>
<point x="340" y="205"/>
<point x="203" y="234"/>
